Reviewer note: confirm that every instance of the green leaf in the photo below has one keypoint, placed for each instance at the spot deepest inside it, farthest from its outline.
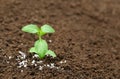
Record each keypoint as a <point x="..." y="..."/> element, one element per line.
<point x="31" y="28"/>
<point x="51" y="53"/>
<point x="41" y="48"/>
<point x="47" y="29"/>
<point x="32" y="49"/>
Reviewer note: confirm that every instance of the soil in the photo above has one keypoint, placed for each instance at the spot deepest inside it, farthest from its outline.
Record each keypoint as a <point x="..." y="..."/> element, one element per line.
<point x="87" y="38"/>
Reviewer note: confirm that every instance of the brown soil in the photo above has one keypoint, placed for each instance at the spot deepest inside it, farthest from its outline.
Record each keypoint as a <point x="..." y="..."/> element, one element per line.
<point x="87" y="37"/>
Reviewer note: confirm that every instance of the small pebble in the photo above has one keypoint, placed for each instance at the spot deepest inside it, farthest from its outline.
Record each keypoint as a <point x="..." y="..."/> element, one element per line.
<point x="40" y="67"/>
<point x="35" y="64"/>
<point x="45" y="65"/>
<point x="62" y="61"/>
<point x="33" y="61"/>
<point x="10" y="57"/>
<point x="8" y="62"/>
<point x="21" y="70"/>
<point x="35" y="56"/>
<point x="48" y="65"/>
<point x="39" y="62"/>
<point x="57" y="67"/>
<point x="52" y="65"/>
<point x="65" y="61"/>
<point x="19" y="66"/>
<point x="50" y="41"/>
<point x="25" y="65"/>
<point x="23" y="55"/>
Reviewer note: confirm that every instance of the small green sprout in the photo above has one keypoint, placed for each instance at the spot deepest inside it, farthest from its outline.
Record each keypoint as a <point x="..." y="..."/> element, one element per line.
<point x="40" y="46"/>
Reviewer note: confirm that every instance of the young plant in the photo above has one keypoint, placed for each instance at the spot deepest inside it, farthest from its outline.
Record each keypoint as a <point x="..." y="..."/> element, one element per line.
<point x="40" y="46"/>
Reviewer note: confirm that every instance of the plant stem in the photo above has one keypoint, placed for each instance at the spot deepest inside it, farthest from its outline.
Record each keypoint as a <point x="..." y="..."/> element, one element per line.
<point x="40" y="38"/>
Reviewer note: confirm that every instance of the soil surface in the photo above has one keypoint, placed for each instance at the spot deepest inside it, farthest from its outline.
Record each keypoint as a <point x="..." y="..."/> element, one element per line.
<point x="86" y="41"/>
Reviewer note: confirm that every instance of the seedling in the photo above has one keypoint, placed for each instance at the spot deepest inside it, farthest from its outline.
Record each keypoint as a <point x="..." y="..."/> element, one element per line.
<point x="40" y="46"/>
